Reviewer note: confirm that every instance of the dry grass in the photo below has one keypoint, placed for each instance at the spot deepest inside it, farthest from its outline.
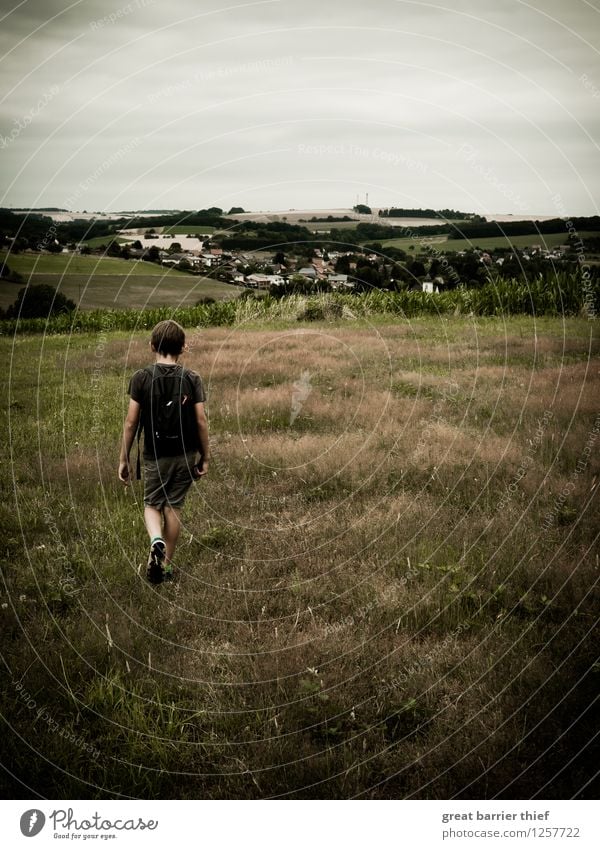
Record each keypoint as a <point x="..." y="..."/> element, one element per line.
<point x="369" y="603"/>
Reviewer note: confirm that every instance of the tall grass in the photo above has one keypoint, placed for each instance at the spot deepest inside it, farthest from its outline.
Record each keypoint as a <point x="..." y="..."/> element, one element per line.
<point x="370" y="600"/>
<point x="563" y="295"/>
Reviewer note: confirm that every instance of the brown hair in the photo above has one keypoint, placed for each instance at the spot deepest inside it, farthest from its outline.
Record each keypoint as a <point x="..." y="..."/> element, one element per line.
<point x="168" y="337"/>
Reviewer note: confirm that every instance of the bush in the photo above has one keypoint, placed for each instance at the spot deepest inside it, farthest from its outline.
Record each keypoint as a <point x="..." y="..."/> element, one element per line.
<point x="326" y="310"/>
<point x="39" y="302"/>
<point x="565" y="295"/>
<point x="7" y="273"/>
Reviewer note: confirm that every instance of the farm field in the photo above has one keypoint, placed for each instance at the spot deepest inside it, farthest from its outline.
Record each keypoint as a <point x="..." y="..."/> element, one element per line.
<point x="183" y="228"/>
<point x="388" y="583"/>
<point x="35" y="263"/>
<point x="442" y="243"/>
<point x="98" y="241"/>
<point x="96" y="282"/>
<point x="303" y="216"/>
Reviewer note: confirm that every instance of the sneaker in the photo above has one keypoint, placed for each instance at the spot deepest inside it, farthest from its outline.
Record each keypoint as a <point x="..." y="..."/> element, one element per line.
<point x="154" y="569"/>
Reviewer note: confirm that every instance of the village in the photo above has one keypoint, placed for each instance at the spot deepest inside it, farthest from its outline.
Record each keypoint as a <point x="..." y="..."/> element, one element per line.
<point x="317" y="267"/>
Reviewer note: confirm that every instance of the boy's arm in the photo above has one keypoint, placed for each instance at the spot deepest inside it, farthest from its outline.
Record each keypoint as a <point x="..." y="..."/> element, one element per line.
<point x="129" y="430"/>
<point x="202" y="423"/>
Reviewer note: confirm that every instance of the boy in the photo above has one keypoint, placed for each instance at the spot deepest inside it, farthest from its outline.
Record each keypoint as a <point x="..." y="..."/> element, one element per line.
<point x="168" y="401"/>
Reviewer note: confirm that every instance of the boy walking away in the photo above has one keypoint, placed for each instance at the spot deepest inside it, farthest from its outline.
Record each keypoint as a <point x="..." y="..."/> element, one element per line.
<point x="167" y="402"/>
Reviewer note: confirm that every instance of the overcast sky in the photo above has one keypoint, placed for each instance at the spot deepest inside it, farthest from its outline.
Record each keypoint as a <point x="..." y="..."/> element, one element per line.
<point x="490" y="106"/>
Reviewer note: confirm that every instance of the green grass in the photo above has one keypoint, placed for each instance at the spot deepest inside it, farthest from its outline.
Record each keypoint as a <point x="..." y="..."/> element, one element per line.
<point x="97" y="241"/>
<point x="185" y="229"/>
<point x="107" y="283"/>
<point x="443" y="243"/>
<point x="112" y="291"/>
<point x="563" y="295"/>
<point x="369" y="603"/>
<point x="27" y="264"/>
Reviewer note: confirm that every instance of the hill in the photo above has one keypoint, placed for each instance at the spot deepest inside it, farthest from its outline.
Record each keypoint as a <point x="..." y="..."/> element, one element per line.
<point x="94" y="282"/>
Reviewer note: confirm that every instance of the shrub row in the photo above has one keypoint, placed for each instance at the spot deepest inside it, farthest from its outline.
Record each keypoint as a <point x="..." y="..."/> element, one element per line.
<point x="566" y="294"/>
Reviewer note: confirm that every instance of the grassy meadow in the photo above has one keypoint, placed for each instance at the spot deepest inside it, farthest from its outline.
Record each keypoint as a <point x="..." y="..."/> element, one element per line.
<point x="94" y="282"/>
<point x="443" y="243"/>
<point x="177" y="229"/>
<point x="387" y="583"/>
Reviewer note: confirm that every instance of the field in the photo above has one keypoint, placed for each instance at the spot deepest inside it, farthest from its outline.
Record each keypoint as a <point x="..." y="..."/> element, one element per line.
<point x="387" y="583"/>
<point x="35" y="263"/>
<point x="192" y="229"/>
<point x="95" y="282"/>
<point x="442" y="243"/>
<point x="98" y="241"/>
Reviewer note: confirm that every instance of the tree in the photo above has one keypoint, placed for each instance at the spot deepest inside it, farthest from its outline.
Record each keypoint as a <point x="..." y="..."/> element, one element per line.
<point x="362" y="209"/>
<point x="175" y="248"/>
<point x="342" y="264"/>
<point x="137" y="245"/>
<point x="7" y="273"/>
<point x="416" y="268"/>
<point x="297" y="284"/>
<point x="153" y="254"/>
<point x="235" y="210"/>
<point x="114" y="248"/>
<point x="38" y="302"/>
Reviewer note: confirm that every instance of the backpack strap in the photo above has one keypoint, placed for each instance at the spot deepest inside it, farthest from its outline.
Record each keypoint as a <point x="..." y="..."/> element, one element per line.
<point x="138" y="466"/>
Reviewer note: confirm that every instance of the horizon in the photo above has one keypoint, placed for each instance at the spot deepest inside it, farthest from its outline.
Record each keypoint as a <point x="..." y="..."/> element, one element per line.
<point x="297" y="210"/>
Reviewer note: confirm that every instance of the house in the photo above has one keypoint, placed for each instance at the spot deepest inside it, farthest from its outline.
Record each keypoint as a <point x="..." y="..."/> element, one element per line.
<point x="339" y="281"/>
<point x="263" y="281"/>
<point x="308" y="271"/>
<point x="429" y="285"/>
<point x="178" y="258"/>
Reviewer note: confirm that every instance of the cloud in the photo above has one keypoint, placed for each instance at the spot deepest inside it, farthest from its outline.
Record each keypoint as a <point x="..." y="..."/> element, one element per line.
<point x="222" y="97"/>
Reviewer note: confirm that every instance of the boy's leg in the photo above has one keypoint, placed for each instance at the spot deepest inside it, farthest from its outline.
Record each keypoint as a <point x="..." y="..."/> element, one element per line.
<point x="153" y="518"/>
<point x="171" y="530"/>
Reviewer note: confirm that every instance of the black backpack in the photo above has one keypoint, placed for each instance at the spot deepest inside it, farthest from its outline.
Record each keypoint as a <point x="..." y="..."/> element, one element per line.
<point x="168" y="418"/>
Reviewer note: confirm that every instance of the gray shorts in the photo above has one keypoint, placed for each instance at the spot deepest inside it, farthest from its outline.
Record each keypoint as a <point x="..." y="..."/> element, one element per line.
<point x="167" y="480"/>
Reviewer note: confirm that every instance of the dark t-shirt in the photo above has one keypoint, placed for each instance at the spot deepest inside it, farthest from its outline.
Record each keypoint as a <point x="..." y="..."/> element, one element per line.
<point x="139" y="390"/>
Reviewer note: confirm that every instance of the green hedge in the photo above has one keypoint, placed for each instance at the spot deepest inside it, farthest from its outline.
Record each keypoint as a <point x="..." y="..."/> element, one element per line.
<point x="566" y="294"/>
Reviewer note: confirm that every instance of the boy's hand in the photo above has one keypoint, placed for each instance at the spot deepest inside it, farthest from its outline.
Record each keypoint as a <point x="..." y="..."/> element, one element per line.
<point x="202" y="468"/>
<point x="124" y="472"/>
